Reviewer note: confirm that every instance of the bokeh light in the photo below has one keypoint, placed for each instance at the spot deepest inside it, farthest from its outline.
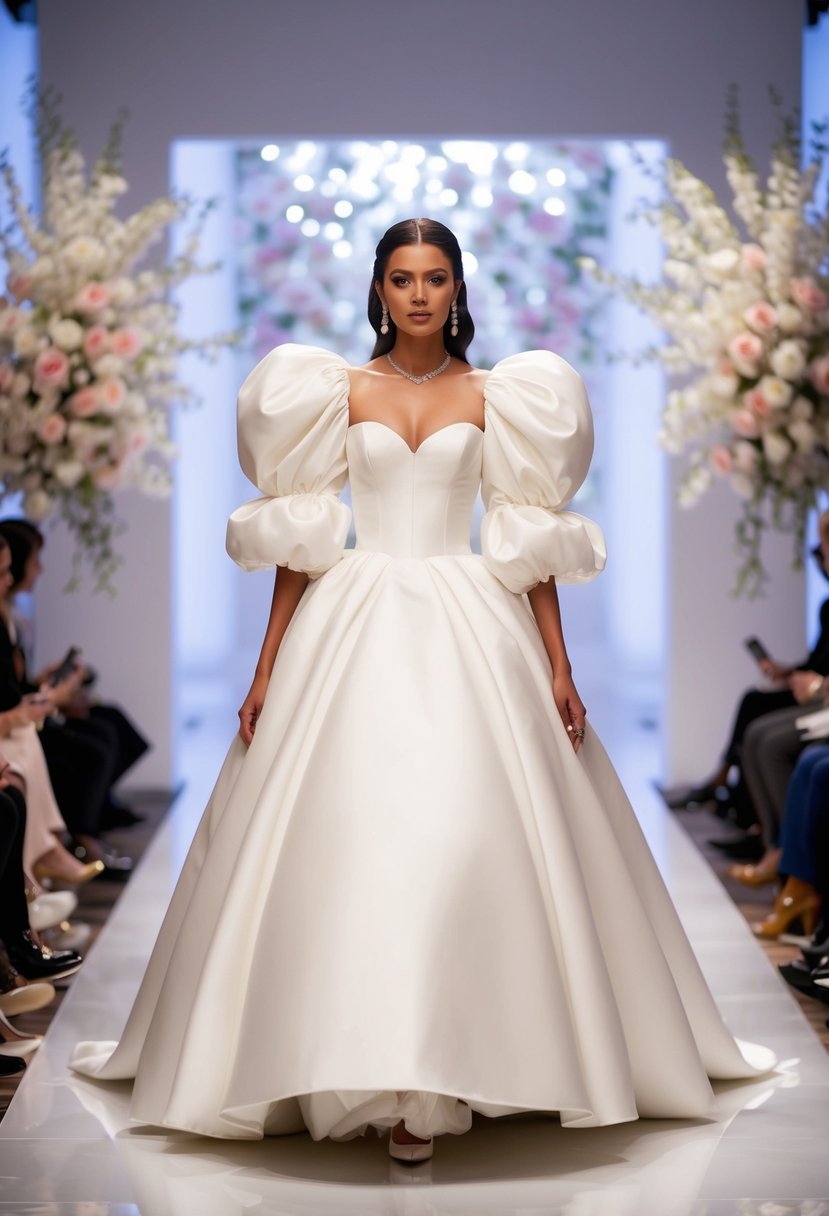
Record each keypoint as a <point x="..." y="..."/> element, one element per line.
<point x="525" y="212"/>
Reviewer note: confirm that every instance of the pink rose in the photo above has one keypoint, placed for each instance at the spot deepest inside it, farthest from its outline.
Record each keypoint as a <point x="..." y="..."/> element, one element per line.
<point x="819" y="374"/>
<point x="721" y="460"/>
<point x="757" y="403"/>
<point x="808" y="295"/>
<point x="754" y="257"/>
<point x="92" y="298"/>
<point x="745" y="350"/>
<point x="85" y="402"/>
<point x="112" y="392"/>
<point x="108" y="477"/>
<point x="761" y="317"/>
<point x="127" y="342"/>
<point x="96" y="342"/>
<point x="744" y="423"/>
<point x="51" y="369"/>
<point x="52" y="429"/>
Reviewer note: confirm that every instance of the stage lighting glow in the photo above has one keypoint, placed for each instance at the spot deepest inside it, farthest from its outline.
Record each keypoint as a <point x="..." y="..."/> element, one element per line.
<point x="521" y="182"/>
<point x="516" y="152"/>
<point x="437" y="164"/>
<point x="332" y="231"/>
<point x="481" y="195"/>
<point x="449" y="197"/>
<point x="341" y="249"/>
<point x="328" y="189"/>
<point x="413" y="154"/>
<point x="556" y="177"/>
<point x="294" y="214"/>
<point x="337" y="175"/>
<point x="343" y="208"/>
<point x="310" y="227"/>
<point x="434" y="185"/>
<point x="304" y="182"/>
<point x="269" y="152"/>
<point x="470" y="262"/>
<point x="554" y="206"/>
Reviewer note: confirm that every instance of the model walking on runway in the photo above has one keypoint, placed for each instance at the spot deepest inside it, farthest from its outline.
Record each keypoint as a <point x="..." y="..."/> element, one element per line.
<point x="418" y="889"/>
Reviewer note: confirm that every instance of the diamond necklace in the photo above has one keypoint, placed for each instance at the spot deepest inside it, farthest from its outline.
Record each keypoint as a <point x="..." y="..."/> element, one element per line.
<point x="421" y="379"/>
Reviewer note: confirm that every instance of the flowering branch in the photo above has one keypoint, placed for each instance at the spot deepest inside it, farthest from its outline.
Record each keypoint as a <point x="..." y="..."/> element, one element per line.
<point x="746" y="313"/>
<point x="88" y="345"/>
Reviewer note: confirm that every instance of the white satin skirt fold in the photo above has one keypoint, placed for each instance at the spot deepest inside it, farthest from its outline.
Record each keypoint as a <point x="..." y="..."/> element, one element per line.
<point x="411" y="899"/>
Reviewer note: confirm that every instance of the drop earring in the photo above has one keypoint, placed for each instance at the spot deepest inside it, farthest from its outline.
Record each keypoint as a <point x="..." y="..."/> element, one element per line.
<point x="453" y="328"/>
<point x="384" y="321"/>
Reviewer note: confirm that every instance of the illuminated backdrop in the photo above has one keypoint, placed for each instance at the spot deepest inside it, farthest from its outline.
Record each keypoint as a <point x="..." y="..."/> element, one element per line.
<point x="309" y="215"/>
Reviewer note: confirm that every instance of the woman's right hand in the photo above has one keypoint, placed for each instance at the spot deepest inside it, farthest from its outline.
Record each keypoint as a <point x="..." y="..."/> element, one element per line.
<point x="252" y="708"/>
<point x="774" y="671"/>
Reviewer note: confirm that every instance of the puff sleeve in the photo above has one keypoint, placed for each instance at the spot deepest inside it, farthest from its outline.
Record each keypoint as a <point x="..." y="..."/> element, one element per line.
<point x="292" y="418"/>
<point x="538" y="443"/>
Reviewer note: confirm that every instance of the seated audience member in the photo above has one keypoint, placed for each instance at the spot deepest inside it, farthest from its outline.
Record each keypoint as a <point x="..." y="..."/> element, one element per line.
<point x="93" y="744"/>
<point x="43" y="853"/>
<point x="804" y="856"/>
<point x="771" y="749"/>
<point x="797" y="684"/>
<point x="22" y="953"/>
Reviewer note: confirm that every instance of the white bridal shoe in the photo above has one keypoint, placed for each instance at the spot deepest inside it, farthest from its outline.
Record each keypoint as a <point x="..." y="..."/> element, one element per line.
<point x="410" y="1152"/>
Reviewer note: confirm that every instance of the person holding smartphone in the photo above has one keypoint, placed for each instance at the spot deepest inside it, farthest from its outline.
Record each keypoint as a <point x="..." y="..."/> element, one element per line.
<point x="794" y="684"/>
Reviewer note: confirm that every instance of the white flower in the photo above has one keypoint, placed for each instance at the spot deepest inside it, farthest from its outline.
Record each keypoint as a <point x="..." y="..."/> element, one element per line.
<point x="85" y="252"/>
<point x="788" y="360"/>
<point x="69" y="473"/>
<point x="776" y="447"/>
<point x="789" y="318"/>
<point x="108" y="365"/>
<point x="66" y="334"/>
<point x="719" y="265"/>
<point x="803" y="434"/>
<point x="745" y="456"/>
<point x="742" y="485"/>
<point x="801" y="407"/>
<point x="37" y="505"/>
<point x="26" y="342"/>
<point x="776" y="391"/>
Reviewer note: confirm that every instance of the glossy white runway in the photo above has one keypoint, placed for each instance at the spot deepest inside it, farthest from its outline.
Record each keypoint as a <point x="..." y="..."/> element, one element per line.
<point x="66" y="1146"/>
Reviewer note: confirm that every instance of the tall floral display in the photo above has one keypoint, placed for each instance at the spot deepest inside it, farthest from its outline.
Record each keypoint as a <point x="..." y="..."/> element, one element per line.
<point x="88" y="342"/>
<point x="746" y="308"/>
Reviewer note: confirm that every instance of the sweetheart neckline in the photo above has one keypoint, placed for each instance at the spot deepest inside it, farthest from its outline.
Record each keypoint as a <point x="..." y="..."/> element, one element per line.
<point x="431" y="435"/>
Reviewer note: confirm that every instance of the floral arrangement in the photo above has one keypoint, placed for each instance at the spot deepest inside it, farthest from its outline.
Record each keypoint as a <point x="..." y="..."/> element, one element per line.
<point x="88" y="345"/>
<point x="746" y="309"/>
<point x="309" y="214"/>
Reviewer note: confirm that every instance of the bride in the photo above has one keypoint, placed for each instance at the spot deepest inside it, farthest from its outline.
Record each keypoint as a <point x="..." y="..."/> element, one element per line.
<point x="418" y="889"/>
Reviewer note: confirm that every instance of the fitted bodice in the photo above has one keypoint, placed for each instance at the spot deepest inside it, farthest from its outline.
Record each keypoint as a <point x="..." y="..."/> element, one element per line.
<point x="414" y="504"/>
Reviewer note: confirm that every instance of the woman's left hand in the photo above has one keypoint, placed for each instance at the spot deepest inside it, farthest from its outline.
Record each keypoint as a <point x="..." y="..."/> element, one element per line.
<point x="571" y="707"/>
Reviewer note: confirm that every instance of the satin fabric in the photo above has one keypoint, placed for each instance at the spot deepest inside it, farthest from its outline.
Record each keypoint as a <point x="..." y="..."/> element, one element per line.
<point x="410" y="898"/>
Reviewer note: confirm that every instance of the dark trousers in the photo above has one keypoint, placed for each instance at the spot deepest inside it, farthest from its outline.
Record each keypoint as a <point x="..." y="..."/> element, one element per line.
<point x="85" y="757"/>
<point x="14" y="912"/>
<point x="754" y="704"/>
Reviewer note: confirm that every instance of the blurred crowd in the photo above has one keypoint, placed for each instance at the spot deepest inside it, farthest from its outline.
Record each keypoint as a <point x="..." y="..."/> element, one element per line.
<point x="62" y="751"/>
<point x="772" y="785"/>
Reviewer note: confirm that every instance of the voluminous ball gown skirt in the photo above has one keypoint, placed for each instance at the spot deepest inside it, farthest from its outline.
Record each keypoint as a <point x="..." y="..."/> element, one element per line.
<point x="410" y="898"/>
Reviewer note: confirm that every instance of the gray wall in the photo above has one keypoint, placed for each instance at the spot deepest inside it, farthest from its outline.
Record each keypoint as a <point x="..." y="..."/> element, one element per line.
<point x="329" y="67"/>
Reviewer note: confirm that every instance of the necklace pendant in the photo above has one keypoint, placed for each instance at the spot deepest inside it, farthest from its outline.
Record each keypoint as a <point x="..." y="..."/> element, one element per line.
<point x="420" y="379"/>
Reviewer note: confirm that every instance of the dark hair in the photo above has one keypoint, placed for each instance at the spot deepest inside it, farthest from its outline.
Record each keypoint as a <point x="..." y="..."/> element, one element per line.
<point x="419" y="232"/>
<point x="22" y="539"/>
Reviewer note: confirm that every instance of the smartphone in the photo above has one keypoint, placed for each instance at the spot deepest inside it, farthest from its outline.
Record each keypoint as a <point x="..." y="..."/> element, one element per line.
<point x="756" y="649"/>
<point x="66" y="668"/>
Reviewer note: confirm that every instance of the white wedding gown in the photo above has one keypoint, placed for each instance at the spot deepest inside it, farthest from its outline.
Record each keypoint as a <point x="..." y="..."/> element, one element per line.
<point x="410" y="898"/>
